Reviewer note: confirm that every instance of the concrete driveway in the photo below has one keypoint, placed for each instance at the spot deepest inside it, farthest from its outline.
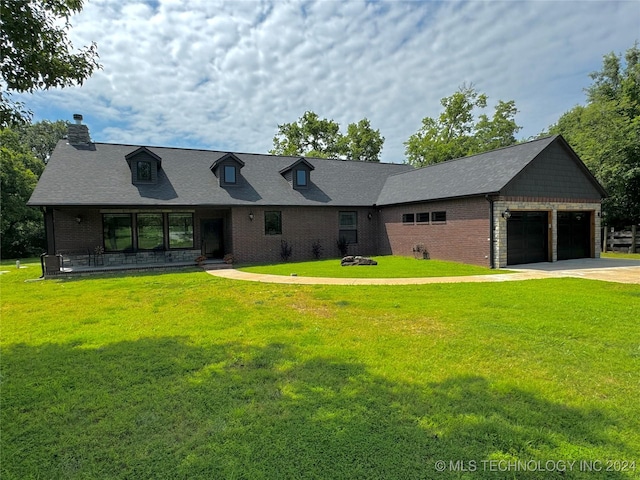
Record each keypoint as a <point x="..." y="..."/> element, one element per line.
<point x="607" y="269"/>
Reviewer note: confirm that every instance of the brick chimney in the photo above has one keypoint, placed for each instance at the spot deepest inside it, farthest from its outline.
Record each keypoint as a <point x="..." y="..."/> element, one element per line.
<point x="78" y="134"/>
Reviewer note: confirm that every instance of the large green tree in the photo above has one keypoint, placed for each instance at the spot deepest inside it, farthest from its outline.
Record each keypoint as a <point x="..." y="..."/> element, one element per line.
<point x="362" y="143"/>
<point x="23" y="153"/>
<point x="35" y="53"/>
<point x="605" y="133"/>
<point x="313" y="136"/>
<point x="456" y="132"/>
<point x="41" y="138"/>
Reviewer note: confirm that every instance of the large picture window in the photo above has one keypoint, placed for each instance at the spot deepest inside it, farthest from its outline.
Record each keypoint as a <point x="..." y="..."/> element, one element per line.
<point x="180" y="230"/>
<point x="273" y="223"/>
<point x="117" y="231"/>
<point x="348" y="226"/>
<point x="150" y="231"/>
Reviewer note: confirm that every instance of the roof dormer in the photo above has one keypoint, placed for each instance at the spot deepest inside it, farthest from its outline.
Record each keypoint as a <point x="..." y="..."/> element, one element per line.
<point x="144" y="165"/>
<point x="227" y="169"/>
<point x="298" y="174"/>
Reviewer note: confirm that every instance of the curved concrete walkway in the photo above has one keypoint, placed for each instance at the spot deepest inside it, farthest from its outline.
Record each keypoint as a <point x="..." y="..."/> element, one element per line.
<point x="610" y="270"/>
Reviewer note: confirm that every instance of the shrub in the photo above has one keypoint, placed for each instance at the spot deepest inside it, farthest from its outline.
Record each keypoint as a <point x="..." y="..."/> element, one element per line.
<point x="316" y="249"/>
<point x="285" y="250"/>
<point x="343" y="245"/>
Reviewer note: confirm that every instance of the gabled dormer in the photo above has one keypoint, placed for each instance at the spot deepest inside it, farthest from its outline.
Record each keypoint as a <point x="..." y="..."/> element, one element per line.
<point x="298" y="174"/>
<point x="144" y="165"/>
<point x="227" y="169"/>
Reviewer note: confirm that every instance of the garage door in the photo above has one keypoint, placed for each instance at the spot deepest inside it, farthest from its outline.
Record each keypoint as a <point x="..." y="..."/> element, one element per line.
<point x="574" y="235"/>
<point x="527" y="237"/>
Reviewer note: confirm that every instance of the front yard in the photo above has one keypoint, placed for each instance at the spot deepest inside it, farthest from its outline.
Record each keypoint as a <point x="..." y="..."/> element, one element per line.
<point x="185" y="375"/>
<point x="388" y="267"/>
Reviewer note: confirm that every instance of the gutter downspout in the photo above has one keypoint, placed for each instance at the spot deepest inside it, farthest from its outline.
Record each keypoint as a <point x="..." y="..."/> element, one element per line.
<point x="491" y="231"/>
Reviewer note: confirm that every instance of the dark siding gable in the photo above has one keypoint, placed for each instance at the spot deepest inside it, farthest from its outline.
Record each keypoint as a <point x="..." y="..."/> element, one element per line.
<point x="556" y="173"/>
<point x="228" y="160"/>
<point x="290" y="173"/>
<point x="137" y="160"/>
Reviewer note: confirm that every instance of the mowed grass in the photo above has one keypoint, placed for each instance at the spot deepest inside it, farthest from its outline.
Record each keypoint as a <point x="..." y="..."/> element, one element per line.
<point x="388" y="267"/>
<point x="185" y="375"/>
<point x="632" y="256"/>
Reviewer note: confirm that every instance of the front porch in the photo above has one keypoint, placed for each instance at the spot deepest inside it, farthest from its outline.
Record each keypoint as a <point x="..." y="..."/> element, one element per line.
<point x="82" y="262"/>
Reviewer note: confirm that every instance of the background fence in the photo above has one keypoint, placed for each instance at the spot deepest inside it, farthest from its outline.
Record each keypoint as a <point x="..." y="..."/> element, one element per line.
<point x="627" y="240"/>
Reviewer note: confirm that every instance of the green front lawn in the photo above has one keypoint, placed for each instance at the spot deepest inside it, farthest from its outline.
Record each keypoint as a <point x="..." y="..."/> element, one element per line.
<point x="633" y="256"/>
<point x="388" y="267"/>
<point x="185" y="375"/>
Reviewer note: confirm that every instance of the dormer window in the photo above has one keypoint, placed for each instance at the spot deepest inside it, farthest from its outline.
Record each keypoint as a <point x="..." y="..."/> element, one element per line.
<point x="144" y="165"/>
<point x="298" y="174"/>
<point x="144" y="171"/>
<point x="301" y="178"/>
<point x="229" y="174"/>
<point x="227" y="169"/>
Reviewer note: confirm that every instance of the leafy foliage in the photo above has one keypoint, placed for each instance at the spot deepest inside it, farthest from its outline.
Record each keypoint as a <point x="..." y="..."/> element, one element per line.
<point x="362" y="143"/>
<point x="36" y="53"/>
<point x="21" y="227"/>
<point x="605" y="133"/>
<point x="23" y="153"/>
<point x="456" y="133"/>
<point x="41" y="137"/>
<point x="313" y="136"/>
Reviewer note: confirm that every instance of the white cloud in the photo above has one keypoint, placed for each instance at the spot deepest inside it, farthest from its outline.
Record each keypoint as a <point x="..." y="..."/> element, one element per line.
<point x="225" y="74"/>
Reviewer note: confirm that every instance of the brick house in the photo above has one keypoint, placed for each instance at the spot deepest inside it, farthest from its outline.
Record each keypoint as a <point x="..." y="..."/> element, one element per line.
<point x="531" y="202"/>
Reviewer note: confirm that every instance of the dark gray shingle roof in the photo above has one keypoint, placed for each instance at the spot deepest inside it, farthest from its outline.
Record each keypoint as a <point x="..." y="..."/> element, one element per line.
<point x="475" y="175"/>
<point x="101" y="176"/>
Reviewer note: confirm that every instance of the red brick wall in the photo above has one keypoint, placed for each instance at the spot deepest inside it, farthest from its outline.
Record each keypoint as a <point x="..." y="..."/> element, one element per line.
<point x="301" y="226"/>
<point x="463" y="238"/>
<point x="71" y="235"/>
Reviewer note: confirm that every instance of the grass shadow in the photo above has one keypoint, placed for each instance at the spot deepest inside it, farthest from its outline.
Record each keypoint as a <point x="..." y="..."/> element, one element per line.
<point x="166" y="408"/>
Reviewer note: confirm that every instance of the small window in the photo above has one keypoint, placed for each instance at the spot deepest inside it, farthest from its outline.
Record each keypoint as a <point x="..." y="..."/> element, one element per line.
<point x="438" y="216"/>
<point x="117" y="231"/>
<point x="301" y="178"/>
<point x="273" y="223"/>
<point x="180" y="230"/>
<point x="144" y="171"/>
<point x="348" y="222"/>
<point x="229" y="174"/>
<point x="408" y="218"/>
<point x="422" y="217"/>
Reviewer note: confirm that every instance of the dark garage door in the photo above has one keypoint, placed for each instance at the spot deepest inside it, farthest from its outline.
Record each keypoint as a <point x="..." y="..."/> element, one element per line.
<point x="574" y="235"/>
<point x="527" y="237"/>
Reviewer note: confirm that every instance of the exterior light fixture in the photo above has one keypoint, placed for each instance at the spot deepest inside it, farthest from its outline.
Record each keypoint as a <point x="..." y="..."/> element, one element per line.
<point x="369" y="215"/>
<point x="251" y="216"/>
<point x="79" y="219"/>
<point x="506" y="214"/>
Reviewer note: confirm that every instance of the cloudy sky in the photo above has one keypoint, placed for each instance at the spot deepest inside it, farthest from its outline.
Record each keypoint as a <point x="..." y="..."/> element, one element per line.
<point x="223" y="75"/>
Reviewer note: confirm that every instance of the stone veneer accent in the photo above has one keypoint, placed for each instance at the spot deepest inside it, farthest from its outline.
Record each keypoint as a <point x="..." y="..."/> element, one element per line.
<point x="551" y="205"/>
